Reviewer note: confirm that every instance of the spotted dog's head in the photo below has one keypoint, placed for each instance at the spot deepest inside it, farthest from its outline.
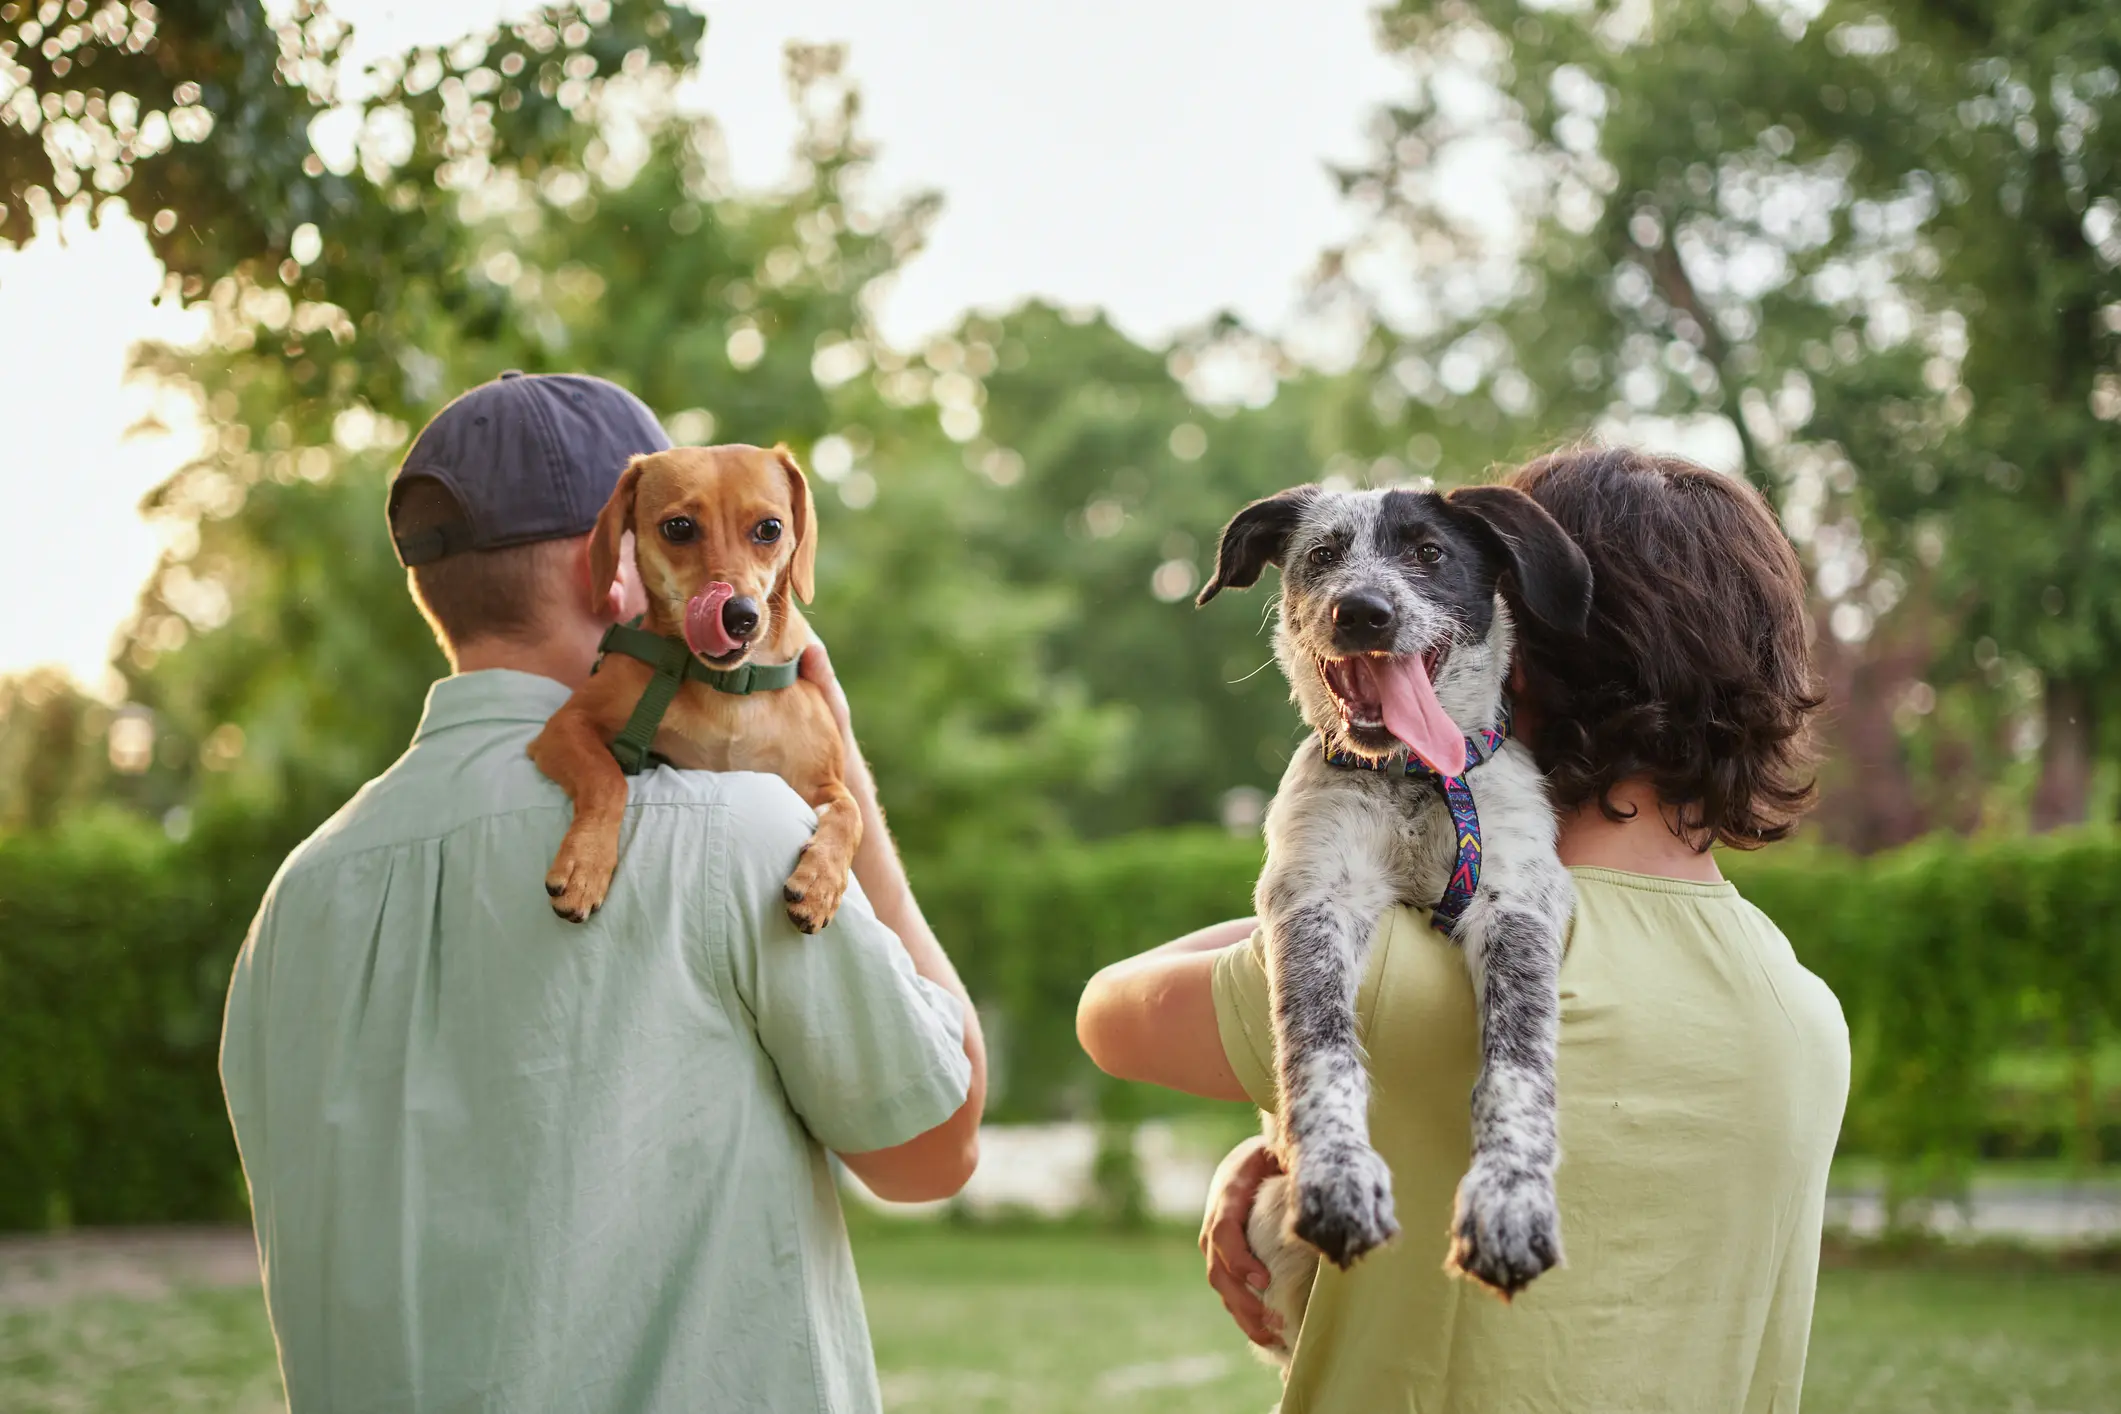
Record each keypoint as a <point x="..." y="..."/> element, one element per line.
<point x="1395" y="606"/>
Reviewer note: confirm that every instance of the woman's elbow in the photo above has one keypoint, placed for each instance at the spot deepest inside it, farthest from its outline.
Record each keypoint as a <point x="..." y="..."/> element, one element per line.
<point x="1101" y="1029"/>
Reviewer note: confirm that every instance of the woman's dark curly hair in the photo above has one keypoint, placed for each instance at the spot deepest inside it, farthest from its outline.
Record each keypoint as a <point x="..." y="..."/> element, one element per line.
<point x="1696" y="674"/>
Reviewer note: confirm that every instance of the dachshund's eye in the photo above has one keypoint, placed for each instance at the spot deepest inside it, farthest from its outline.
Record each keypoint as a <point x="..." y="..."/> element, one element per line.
<point x="681" y="530"/>
<point x="1429" y="554"/>
<point x="1323" y="555"/>
<point x="766" y="531"/>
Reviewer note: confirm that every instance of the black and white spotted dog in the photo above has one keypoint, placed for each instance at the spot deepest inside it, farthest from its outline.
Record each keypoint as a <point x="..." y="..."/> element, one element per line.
<point x="1395" y="633"/>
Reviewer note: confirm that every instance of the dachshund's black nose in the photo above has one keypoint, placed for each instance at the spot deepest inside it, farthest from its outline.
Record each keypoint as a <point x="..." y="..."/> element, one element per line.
<point x="1363" y="620"/>
<point x="740" y="616"/>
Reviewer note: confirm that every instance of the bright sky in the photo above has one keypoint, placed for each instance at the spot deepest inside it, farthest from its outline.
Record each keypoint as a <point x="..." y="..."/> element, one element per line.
<point x="1161" y="158"/>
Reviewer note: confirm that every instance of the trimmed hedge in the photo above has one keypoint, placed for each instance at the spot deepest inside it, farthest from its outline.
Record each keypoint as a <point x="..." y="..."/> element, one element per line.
<point x="1980" y="981"/>
<point x="112" y="963"/>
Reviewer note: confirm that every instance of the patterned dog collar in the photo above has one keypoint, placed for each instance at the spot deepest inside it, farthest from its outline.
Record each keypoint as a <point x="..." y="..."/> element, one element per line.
<point x="1465" y="819"/>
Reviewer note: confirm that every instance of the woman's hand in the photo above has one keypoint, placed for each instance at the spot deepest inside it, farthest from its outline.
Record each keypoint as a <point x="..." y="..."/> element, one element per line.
<point x="1236" y="1274"/>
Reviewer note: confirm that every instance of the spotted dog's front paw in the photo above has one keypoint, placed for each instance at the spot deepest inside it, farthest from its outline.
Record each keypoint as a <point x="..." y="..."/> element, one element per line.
<point x="1344" y="1203"/>
<point x="1507" y="1229"/>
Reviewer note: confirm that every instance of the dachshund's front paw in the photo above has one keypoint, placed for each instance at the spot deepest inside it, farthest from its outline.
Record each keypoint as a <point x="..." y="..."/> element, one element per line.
<point x="1507" y="1230"/>
<point x="1344" y="1203"/>
<point x="813" y="892"/>
<point x="580" y="876"/>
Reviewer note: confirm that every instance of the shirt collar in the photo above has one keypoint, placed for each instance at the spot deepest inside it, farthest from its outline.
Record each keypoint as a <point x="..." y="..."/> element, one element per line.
<point x="490" y="695"/>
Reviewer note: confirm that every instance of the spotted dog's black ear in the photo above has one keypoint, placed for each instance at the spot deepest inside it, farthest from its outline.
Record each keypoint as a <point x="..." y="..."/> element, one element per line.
<point x="1255" y="538"/>
<point x="1551" y="576"/>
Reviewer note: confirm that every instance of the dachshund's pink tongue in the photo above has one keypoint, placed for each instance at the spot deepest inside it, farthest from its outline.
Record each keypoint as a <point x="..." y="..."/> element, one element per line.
<point x="1413" y="714"/>
<point x="704" y="633"/>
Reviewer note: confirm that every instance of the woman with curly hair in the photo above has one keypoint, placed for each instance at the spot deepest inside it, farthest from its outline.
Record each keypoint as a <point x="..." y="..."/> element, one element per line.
<point x="1702" y="1070"/>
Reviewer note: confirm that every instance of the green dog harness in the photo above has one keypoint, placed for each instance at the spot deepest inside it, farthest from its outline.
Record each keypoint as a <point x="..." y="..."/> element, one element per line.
<point x="674" y="666"/>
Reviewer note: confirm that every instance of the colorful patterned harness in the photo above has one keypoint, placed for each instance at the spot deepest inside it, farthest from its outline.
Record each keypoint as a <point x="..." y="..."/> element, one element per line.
<point x="1465" y="819"/>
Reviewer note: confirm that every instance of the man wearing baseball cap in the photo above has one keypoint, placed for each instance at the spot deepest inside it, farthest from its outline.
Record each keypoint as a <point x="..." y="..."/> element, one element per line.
<point x="502" y="1162"/>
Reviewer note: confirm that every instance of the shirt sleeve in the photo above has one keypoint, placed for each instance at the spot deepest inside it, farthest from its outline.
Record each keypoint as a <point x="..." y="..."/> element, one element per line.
<point x="870" y="1053"/>
<point x="1245" y="1018"/>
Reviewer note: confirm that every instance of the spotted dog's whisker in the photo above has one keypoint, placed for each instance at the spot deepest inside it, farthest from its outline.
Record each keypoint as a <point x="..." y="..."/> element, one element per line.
<point x="1396" y="643"/>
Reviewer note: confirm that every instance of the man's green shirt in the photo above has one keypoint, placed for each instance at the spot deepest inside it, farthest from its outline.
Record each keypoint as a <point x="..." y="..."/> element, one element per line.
<point x="503" y="1162"/>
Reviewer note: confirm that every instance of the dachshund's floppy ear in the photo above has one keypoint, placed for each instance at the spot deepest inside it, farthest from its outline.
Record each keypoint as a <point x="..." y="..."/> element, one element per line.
<point x="802" y="570"/>
<point x="1255" y="538"/>
<point x="1551" y="576"/>
<point x="609" y="536"/>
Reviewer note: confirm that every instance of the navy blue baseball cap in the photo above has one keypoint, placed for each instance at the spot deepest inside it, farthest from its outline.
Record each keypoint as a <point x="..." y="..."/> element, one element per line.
<point x="524" y="458"/>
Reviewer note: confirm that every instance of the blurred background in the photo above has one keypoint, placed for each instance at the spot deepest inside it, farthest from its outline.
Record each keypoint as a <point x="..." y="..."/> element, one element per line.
<point x="1040" y="297"/>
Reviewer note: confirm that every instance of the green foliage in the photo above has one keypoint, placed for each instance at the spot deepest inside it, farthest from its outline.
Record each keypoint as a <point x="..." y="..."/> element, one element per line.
<point x="995" y="507"/>
<point x="110" y="1107"/>
<point x="1028" y="928"/>
<point x="1876" y="242"/>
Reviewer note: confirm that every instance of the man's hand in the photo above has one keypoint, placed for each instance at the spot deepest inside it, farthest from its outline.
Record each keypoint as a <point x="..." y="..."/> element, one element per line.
<point x="1235" y="1273"/>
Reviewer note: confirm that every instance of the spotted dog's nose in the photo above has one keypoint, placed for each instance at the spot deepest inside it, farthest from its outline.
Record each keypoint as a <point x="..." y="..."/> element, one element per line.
<point x="740" y="616"/>
<point x="1363" y="622"/>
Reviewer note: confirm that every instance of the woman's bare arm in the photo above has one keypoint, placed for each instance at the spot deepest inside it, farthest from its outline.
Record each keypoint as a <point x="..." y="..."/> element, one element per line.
<point x="1152" y="1017"/>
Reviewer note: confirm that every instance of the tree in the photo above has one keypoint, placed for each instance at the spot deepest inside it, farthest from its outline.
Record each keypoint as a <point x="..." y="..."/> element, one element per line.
<point x="1870" y="244"/>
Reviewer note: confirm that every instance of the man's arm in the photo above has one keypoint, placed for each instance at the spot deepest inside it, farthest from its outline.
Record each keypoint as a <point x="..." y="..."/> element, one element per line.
<point x="939" y="1162"/>
<point x="1152" y="1017"/>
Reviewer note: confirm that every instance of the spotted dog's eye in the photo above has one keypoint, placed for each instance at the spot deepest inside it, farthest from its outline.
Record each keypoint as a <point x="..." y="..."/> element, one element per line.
<point x="1324" y="555"/>
<point x="766" y="531"/>
<point x="680" y="530"/>
<point x="1429" y="554"/>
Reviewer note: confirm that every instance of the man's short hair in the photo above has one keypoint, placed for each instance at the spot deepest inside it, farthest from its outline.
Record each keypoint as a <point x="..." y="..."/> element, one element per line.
<point x="507" y="593"/>
<point x="1697" y="673"/>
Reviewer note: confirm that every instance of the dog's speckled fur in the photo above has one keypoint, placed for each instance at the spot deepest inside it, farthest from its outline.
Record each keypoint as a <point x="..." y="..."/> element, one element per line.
<point x="1344" y="845"/>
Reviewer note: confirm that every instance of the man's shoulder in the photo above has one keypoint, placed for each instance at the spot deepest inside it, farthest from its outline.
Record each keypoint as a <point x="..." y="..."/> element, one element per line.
<point x="745" y="795"/>
<point x="418" y="800"/>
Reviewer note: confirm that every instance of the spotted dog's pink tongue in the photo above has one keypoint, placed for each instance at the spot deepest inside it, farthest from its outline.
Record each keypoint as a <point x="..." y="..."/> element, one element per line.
<point x="704" y="633"/>
<point x="1411" y="711"/>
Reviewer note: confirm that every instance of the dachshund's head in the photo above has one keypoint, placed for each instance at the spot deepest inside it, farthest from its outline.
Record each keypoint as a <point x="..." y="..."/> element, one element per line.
<point x="723" y="537"/>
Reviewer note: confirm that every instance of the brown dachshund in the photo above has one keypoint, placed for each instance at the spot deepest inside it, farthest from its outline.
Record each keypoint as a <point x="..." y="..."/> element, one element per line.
<point x="726" y="543"/>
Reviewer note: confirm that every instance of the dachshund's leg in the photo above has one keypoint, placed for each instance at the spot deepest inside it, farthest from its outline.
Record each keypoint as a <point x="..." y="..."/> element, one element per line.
<point x="1507" y="1227"/>
<point x="571" y="750"/>
<point x="813" y="892"/>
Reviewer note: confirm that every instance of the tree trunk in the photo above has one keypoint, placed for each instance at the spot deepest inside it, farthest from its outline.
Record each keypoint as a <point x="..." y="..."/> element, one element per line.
<point x="2062" y="797"/>
<point x="1868" y="797"/>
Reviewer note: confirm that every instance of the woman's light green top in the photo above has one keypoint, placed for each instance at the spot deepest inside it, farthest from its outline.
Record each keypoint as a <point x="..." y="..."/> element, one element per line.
<point x="1702" y="1077"/>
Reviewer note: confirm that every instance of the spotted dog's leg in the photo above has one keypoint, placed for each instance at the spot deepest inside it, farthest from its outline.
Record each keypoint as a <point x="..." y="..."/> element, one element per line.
<point x="1507" y="1227"/>
<point x="1320" y="910"/>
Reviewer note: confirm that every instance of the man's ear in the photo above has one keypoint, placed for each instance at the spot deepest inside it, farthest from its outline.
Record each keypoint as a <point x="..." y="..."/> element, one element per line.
<point x="802" y="570"/>
<point x="609" y="536"/>
<point x="1255" y="538"/>
<point x="1548" y="570"/>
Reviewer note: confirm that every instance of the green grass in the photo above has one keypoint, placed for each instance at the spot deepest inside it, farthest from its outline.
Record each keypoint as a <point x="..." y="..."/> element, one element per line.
<point x="193" y="1352"/>
<point x="1050" y="1321"/>
<point x="1044" y="1322"/>
<point x="1916" y="1341"/>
